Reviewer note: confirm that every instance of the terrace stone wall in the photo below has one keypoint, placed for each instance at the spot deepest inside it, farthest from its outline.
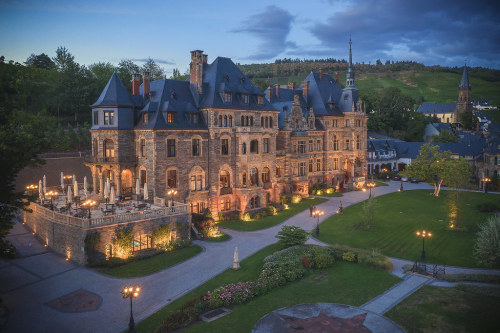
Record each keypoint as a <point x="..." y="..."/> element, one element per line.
<point x="66" y="235"/>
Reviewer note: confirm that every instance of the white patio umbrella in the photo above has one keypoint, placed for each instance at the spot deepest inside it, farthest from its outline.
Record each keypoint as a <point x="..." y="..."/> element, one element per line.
<point x="44" y="184"/>
<point x="40" y="190"/>
<point x="101" y="190"/>
<point x="70" y="194"/>
<point x="85" y="191"/>
<point x="146" y="194"/>
<point x="108" y="183"/>
<point x="106" y="191"/>
<point x="62" y="181"/>
<point x="112" y="195"/>
<point x="137" y="187"/>
<point x="75" y="187"/>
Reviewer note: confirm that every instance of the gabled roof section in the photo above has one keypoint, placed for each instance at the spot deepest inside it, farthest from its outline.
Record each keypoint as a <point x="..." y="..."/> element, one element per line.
<point x="436" y="108"/>
<point x="114" y="94"/>
<point x="322" y="93"/>
<point x="223" y="75"/>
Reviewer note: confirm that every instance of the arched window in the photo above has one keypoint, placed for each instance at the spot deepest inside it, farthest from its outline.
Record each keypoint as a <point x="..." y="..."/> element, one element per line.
<point x="109" y="150"/>
<point x="220" y="121"/>
<point x="246" y="121"/>
<point x="255" y="202"/>
<point x="358" y="142"/>
<point x="95" y="148"/>
<point x="254" y="177"/>
<point x="225" y="121"/>
<point x="224" y="179"/>
<point x="266" y="175"/>
<point x="242" y="121"/>
<point x="243" y="148"/>
<point x="230" y="121"/>
<point x="271" y="122"/>
<point x="143" y="147"/>
<point x="251" y="121"/>
<point x="254" y="146"/>
<point x="335" y="143"/>
<point x="267" y="122"/>
<point x="244" y="179"/>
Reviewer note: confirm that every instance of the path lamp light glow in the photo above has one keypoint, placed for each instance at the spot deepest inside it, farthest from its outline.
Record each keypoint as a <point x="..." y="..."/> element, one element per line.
<point x="370" y="184"/>
<point x="131" y="292"/>
<point x="424" y="234"/>
<point x="317" y="213"/>
<point x="171" y="194"/>
<point x="486" y="180"/>
<point x="89" y="204"/>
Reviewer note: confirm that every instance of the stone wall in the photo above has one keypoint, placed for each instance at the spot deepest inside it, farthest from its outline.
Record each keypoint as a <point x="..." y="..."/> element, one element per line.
<point x="68" y="238"/>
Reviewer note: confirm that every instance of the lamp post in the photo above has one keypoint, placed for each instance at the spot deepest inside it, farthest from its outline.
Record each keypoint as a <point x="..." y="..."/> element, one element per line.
<point x="31" y="188"/>
<point x="401" y="187"/>
<point x="317" y="213"/>
<point x="370" y="184"/>
<point x="424" y="234"/>
<point x="89" y="203"/>
<point x="172" y="193"/>
<point x="485" y="184"/>
<point x="131" y="292"/>
<point x="51" y="194"/>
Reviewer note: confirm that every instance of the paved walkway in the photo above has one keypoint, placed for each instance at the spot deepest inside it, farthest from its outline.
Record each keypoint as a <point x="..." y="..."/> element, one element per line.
<point x="28" y="283"/>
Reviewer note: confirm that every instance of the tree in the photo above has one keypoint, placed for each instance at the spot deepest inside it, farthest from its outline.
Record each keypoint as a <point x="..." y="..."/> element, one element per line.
<point x="445" y="136"/>
<point x="487" y="247"/>
<point x="434" y="166"/>
<point x="63" y="58"/>
<point x="468" y="120"/>
<point x="291" y="236"/>
<point x="157" y="73"/>
<point x="41" y="61"/>
<point x="125" y="70"/>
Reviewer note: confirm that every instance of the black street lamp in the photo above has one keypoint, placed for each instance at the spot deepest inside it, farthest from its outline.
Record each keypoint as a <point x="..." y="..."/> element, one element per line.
<point x="317" y="213"/>
<point x="401" y="187"/>
<point x="89" y="203"/>
<point x="424" y="234"/>
<point x="131" y="292"/>
<point x="370" y="184"/>
<point x="51" y="194"/>
<point x="486" y="180"/>
<point x="172" y="193"/>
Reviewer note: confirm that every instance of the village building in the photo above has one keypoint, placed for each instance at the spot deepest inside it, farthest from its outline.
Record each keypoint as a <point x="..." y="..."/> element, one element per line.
<point x="217" y="142"/>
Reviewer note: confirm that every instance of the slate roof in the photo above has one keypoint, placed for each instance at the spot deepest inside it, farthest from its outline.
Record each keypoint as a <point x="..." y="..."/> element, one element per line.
<point x="435" y="108"/>
<point x="223" y="75"/>
<point x="376" y="145"/>
<point x="114" y="94"/>
<point x="465" y="79"/>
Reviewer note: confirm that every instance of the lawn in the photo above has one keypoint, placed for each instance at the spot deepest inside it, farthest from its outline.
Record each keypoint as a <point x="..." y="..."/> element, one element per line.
<point x="344" y="283"/>
<point x="434" y="309"/>
<point x="330" y="195"/>
<point x="380" y="183"/>
<point x="270" y="221"/>
<point x="222" y="237"/>
<point x="153" y="264"/>
<point x="399" y="215"/>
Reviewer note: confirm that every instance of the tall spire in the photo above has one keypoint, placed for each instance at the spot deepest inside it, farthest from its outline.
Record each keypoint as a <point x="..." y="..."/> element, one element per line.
<point x="349" y="83"/>
<point x="465" y="77"/>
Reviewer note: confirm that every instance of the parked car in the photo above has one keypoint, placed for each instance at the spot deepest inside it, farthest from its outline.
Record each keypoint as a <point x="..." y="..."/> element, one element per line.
<point x="396" y="177"/>
<point x="414" y="180"/>
<point x="404" y="179"/>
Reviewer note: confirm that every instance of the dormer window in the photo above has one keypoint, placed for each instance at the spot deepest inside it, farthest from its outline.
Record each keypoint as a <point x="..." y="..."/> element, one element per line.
<point x="171" y="117"/>
<point x="260" y="99"/>
<point x="145" y="117"/>
<point x="193" y="118"/>
<point x="244" y="98"/>
<point x="227" y="97"/>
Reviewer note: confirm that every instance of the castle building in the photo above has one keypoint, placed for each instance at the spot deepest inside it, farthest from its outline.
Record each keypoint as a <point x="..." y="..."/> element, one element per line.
<point x="450" y="112"/>
<point x="220" y="143"/>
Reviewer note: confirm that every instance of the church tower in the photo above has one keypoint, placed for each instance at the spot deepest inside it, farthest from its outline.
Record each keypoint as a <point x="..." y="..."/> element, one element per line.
<point x="464" y="96"/>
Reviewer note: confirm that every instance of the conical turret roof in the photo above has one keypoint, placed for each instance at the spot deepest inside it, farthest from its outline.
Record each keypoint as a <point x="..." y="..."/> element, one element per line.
<point x="114" y="94"/>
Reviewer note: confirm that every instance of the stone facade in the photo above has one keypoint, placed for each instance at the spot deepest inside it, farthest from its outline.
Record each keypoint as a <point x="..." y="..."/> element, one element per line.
<point x="66" y="234"/>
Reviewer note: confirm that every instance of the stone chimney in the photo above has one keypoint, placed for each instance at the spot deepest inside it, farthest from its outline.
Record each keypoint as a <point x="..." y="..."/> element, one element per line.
<point x="269" y="93"/>
<point x="305" y="88"/>
<point x="205" y="58"/>
<point x="196" y="69"/>
<point x="136" y="82"/>
<point x="146" y="78"/>
<point x="320" y="74"/>
<point x="337" y="76"/>
<point x="277" y="87"/>
<point x="291" y="85"/>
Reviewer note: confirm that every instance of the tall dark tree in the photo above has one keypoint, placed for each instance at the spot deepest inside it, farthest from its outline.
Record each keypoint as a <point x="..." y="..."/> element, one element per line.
<point x="157" y="73"/>
<point x="41" y="61"/>
<point x="468" y="120"/>
<point x="125" y="70"/>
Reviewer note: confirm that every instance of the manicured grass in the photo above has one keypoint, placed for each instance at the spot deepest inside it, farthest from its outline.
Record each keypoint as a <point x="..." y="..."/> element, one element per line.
<point x="270" y="221"/>
<point x="380" y="183"/>
<point x="330" y="195"/>
<point x="345" y="283"/>
<point x="433" y="309"/>
<point x="221" y="238"/>
<point x="153" y="264"/>
<point x="399" y="215"/>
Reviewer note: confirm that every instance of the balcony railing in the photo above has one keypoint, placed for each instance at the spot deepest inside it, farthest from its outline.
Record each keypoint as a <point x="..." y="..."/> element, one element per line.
<point x="225" y="190"/>
<point x="108" y="160"/>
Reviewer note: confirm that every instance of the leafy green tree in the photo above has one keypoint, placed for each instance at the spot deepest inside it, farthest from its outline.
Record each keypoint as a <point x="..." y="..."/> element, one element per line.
<point x="468" y="120"/>
<point x="487" y="247"/>
<point x="126" y="68"/>
<point x="435" y="166"/>
<point x="445" y="136"/>
<point x="63" y="59"/>
<point x="41" y="61"/>
<point x="291" y="236"/>
<point x="157" y="73"/>
<point x="101" y="72"/>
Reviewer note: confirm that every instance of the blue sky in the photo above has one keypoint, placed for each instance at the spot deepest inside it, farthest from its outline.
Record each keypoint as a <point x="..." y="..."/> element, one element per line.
<point x="428" y="31"/>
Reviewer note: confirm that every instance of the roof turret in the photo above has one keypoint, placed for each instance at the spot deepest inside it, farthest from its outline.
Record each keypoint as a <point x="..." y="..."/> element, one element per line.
<point x="114" y="94"/>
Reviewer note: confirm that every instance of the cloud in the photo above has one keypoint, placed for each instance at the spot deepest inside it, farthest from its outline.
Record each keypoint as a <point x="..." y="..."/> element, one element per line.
<point x="429" y="31"/>
<point x="158" y="61"/>
<point x="271" y="27"/>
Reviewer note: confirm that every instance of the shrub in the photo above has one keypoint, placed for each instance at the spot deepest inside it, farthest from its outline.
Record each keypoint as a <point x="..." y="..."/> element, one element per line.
<point x="291" y="235"/>
<point x="231" y="294"/>
<point x="305" y="261"/>
<point x="245" y="216"/>
<point x="377" y="261"/>
<point x="487" y="248"/>
<point x="487" y="207"/>
<point x="349" y="256"/>
<point x="296" y="198"/>
<point x="162" y="236"/>
<point x="321" y="258"/>
<point x="7" y="250"/>
<point x="123" y="242"/>
<point x="270" y="210"/>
